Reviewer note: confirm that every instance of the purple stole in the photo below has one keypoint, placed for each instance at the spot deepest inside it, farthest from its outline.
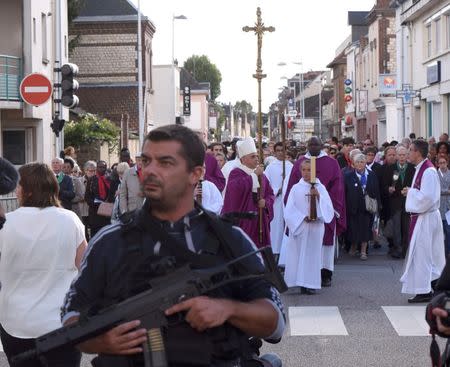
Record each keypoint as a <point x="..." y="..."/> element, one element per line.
<point x="426" y="164"/>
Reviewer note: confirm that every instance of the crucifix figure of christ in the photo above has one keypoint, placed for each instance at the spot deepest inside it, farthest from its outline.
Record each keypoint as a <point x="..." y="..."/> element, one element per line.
<point x="259" y="29"/>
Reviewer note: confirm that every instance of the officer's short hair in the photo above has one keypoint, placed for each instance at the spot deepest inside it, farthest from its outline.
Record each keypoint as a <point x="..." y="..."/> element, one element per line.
<point x="192" y="151"/>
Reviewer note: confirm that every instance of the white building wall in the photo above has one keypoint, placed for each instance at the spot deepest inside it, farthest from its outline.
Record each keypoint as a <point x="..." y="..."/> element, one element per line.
<point x="37" y="51"/>
<point x="435" y="96"/>
<point x="166" y="95"/>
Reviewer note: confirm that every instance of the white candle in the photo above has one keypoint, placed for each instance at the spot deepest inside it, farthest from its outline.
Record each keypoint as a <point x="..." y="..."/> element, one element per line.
<point x="313" y="170"/>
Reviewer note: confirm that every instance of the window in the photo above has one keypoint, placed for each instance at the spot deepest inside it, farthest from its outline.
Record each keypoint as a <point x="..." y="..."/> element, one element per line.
<point x="44" y="37"/>
<point x="14" y="146"/>
<point x="437" y="24"/>
<point x="428" y="32"/>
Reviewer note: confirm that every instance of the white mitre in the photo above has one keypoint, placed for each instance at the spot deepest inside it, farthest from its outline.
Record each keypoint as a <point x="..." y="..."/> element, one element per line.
<point x="246" y="147"/>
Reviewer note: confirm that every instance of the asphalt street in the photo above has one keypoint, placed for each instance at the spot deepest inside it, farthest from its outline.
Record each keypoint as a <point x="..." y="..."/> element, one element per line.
<point x="359" y="291"/>
<point x="353" y="309"/>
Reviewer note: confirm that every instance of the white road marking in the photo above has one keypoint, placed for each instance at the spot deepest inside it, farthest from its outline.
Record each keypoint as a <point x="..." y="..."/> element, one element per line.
<point x="407" y="320"/>
<point x="316" y="320"/>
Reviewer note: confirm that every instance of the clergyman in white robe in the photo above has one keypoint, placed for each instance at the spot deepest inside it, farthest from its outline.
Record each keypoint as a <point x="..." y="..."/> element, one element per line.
<point x="212" y="199"/>
<point x="426" y="254"/>
<point x="304" y="247"/>
<point x="274" y="173"/>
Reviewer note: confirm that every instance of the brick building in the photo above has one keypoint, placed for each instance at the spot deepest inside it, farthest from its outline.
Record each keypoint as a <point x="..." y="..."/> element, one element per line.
<point x="106" y="53"/>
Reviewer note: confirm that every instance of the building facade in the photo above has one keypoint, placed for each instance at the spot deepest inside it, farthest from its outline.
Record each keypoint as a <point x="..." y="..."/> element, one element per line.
<point x="106" y="54"/>
<point x="423" y="28"/>
<point x="28" y="45"/>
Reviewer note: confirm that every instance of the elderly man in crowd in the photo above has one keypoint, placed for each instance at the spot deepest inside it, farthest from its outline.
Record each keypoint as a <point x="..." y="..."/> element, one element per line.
<point x="66" y="190"/>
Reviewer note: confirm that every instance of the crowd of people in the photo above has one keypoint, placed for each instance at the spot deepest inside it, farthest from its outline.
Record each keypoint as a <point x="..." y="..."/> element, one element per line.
<point x="303" y="200"/>
<point x="366" y="184"/>
<point x="368" y="188"/>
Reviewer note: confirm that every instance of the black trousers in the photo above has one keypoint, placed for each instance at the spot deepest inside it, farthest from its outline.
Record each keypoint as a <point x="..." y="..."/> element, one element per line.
<point x="401" y="221"/>
<point x="63" y="357"/>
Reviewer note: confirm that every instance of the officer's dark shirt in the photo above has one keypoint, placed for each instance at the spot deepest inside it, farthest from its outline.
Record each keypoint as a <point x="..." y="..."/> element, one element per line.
<point x="107" y="250"/>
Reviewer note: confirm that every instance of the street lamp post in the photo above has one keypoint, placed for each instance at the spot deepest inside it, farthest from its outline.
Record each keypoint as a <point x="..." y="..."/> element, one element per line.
<point x="183" y="17"/>
<point x="320" y="112"/>
<point x="140" y="97"/>
<point x="175" y="96"/>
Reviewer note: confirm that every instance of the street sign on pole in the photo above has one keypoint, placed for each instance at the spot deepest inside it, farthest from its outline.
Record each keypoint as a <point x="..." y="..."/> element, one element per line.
<point x="35" y="89"/>
<point x="406" y="93"/>
<point x="292" y="113"/>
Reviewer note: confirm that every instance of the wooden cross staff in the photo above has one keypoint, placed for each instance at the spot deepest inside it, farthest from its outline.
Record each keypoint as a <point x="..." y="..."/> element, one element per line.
<point x="259" y="29"/>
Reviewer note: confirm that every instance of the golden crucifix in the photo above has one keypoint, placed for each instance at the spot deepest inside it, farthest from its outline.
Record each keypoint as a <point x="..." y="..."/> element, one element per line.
<point x="259" y="30"/>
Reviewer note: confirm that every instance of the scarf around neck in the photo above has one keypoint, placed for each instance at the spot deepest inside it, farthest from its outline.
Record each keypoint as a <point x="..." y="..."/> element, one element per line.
<point x="103" y="186"/>
<point x="249" y="171"/>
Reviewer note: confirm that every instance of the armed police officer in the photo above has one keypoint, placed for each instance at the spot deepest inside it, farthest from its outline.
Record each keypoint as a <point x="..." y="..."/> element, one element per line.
<point x="214" y="329"/>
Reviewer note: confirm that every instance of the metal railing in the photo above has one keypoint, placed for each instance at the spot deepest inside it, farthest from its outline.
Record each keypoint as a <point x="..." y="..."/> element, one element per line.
<point x="10" y="77"/>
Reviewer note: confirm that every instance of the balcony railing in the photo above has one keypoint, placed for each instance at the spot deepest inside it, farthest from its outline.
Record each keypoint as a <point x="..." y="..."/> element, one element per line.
<point x="10" y="77"/>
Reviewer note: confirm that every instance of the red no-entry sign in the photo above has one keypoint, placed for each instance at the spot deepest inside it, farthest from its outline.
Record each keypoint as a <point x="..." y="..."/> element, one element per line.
<point x="35" y="89"/>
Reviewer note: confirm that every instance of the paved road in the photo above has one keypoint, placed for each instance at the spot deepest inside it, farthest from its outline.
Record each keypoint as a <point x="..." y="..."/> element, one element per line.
<point x="351" y="326"/>
<point x="360" y="291"/>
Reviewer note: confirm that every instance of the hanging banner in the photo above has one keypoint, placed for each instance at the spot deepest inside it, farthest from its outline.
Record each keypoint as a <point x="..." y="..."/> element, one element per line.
<point x="387" y="84"/>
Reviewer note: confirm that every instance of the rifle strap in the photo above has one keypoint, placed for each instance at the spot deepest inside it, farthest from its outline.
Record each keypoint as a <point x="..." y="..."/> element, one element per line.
<point x="435" y="353"/>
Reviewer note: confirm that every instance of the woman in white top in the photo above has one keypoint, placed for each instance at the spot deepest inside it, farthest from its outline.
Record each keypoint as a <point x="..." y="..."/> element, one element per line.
<point x="41" y="247"/>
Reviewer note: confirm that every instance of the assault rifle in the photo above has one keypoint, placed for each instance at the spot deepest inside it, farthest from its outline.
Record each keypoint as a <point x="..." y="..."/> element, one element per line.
<point x="149" y="306"/>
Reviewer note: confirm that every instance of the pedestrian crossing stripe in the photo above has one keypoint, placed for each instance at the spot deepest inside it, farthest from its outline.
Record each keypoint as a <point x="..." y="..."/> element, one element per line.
<point x="407" y="320"/>
<point x="327" y="320"/>
<point x="323" y="320"/>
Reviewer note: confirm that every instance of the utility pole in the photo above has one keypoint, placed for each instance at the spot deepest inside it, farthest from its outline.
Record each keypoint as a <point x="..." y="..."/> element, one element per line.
<point x="140" y="97"/>
<point x="57" y="105"/>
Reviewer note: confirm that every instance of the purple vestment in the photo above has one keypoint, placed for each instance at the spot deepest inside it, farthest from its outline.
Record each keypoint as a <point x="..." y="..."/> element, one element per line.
<point x="417" y="184"/>
<point x="330" y="175"/>
<point x="240" y="198"/>
<point x="213" y="172"/>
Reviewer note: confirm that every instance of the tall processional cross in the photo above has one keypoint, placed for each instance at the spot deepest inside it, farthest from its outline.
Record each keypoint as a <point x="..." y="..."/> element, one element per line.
<point x="259" y="29"/>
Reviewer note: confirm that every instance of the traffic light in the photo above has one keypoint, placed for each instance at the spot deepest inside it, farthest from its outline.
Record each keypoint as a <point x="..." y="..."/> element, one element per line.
<point x="69" y="85"/>
<point x="348" y="90"/>
<point x="57" y="125"/>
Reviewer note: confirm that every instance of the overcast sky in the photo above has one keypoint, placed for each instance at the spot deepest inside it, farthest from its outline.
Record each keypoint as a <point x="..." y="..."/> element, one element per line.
<point x="306" y="31"/>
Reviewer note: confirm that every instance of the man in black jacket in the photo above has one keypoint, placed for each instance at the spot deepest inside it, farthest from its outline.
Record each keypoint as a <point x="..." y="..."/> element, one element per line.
<point x="396" y="177"/>
<point x="66" y="190"/>
<point x="204" y="331"/>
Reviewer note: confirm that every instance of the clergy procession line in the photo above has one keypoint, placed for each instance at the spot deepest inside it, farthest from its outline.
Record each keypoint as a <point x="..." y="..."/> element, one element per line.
<point x="343" y="196"/>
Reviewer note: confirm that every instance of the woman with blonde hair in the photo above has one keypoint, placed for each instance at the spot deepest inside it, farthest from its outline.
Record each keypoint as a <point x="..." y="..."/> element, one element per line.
<point x="41" y="247"/>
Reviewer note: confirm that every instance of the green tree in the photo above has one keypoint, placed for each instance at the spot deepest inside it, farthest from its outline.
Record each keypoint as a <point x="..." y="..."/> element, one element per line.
<point x="218" y="108"/>
<point x="203" y="70"/>
<point x="90" y="130"/>
<point x="242" y="109"/>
